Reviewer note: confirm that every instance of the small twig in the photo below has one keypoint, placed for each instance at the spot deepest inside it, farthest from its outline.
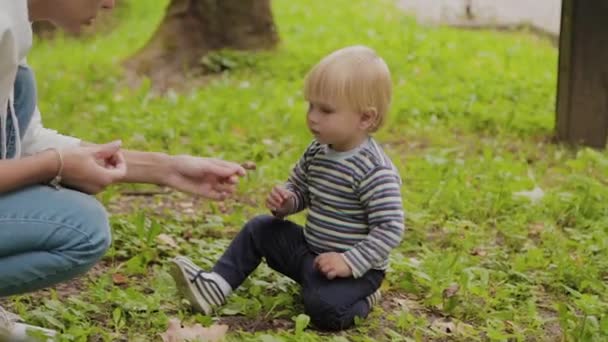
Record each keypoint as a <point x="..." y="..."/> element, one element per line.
<point x="145" y="192"/>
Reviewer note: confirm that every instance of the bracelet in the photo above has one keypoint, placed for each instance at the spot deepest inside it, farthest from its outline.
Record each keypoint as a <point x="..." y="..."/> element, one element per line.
<point x="56" y="181"/>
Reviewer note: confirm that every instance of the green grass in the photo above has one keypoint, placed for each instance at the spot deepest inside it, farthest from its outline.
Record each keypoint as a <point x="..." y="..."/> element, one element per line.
<point x="471" y="124"/>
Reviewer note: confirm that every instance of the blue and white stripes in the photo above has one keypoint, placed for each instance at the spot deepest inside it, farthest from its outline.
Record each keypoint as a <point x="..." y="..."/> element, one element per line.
<point x="354" y="203"/>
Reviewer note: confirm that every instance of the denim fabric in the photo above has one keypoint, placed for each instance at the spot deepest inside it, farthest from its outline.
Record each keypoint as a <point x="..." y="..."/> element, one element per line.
<point x="48" y="236"/>
<point x="331" y="304"/>
<point x="24" y="104"/>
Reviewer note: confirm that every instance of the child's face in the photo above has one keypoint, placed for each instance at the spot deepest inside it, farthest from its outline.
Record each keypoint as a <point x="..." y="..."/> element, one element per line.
<point x="335" y="125"/>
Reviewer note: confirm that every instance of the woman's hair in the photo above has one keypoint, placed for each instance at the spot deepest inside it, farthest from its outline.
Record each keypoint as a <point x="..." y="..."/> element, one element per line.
<point x="354" y="76"/>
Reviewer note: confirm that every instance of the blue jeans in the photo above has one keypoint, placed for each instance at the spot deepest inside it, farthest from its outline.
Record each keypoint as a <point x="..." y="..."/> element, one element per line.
<point x="46" y="236"/>
<point x="24" y="103"/>
<point x="331" y="304"/>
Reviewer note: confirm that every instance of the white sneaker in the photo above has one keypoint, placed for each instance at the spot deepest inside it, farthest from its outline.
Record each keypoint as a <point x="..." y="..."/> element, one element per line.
<point x="12" y="330"/>
<point x="197" y="286"/>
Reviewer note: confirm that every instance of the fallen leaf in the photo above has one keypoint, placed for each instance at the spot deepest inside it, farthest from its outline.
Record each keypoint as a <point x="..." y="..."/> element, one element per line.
<point x="534" y="196"/>
<point x="166" y="240"/>
<point x="478" y="251"/>
<point x="448" y="326"/>
<point x="186" y="205"/>
<point x="445" y="326"/>
<point x="221" y="206"/>
<point x="119" y="279"/>
<point x="415" y="262"/>
<point x="535" y="229"/>
<point x="187" y="234"/>
<point x="451" y="291"/>
<point x="406" y="304"/>
<point x="178" y="333"/>
<point x="249" y="165"/>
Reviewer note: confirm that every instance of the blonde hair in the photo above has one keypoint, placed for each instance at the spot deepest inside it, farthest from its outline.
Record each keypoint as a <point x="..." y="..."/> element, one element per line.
<point x="354" y="76"/>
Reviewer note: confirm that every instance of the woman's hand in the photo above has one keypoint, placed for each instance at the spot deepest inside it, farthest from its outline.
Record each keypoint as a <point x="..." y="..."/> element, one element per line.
<point x="92" y="168"/>
<point x="208" y="177"/>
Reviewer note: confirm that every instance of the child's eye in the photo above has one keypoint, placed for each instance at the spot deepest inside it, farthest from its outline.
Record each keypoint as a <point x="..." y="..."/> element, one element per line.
<point x="326" y="110"/>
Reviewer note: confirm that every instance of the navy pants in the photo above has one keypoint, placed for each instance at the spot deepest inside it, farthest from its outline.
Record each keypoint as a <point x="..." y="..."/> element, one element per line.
<point x="331" y="304"/>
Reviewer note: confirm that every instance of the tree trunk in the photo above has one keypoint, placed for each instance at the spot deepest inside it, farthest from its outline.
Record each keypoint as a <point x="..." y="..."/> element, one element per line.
<point x="192" y="28"/>
<point x="582" y="94"/>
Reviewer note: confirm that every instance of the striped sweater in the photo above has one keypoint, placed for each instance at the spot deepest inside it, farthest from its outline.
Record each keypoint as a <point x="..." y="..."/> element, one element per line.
<point x="354" y="203"/>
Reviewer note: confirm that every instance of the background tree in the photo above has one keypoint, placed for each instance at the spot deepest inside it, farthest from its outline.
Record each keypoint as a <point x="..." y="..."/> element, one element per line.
<point x="193" y="28"/>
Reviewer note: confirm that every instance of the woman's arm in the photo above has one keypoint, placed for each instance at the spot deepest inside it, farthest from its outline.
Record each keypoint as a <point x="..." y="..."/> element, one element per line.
<point x="208" y="177"/>
<point x="147" y="167"/>
<point x="89" y="169"/>
<point x="19" y="173"/>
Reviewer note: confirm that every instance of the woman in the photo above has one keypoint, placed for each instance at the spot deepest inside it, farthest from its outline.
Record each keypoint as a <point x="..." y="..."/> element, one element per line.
<point x="51" y="229"/>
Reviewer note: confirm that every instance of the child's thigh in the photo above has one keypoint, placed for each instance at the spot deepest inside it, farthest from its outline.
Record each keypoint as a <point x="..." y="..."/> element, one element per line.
<point x="339" y="292"/>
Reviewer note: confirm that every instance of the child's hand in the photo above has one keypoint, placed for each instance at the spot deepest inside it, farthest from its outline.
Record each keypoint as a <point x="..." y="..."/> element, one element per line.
<point x="332" y="264"/>
<point x="280" y="201"/>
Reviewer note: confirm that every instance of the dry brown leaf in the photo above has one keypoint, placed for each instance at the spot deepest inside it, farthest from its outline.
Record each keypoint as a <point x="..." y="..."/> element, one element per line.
<point x="178" y="333"/>
<point x="166" y="240"/>
<point x="249" y="165"/>
<point x="448" y="326"/>
<point x="451" y="291"/>
<point x="187" y="234"/>
<point x="186" y="205"/>
<point x="119" y="279"/>
<point x="536" y="229"/>
<point x="478" y="251"/>
<point x="221" y="206"/>
<point x="407" y="304"/>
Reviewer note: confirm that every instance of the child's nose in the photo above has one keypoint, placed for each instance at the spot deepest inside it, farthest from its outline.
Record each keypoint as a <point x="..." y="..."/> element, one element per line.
<point x="312" y="116"/>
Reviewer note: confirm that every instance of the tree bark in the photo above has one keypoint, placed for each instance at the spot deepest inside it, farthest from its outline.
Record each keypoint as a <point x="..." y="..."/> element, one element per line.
<point x="192" y="28"/>
<point x="582" y="94"/>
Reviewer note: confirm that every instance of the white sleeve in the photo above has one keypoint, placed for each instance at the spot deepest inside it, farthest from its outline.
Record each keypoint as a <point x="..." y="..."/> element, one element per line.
<point x="9" y="62"/>
<point x="38" y="138"/>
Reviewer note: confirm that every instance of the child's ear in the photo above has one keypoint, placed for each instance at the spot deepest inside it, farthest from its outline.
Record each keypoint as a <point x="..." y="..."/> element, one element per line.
<point x="369" y="117"/>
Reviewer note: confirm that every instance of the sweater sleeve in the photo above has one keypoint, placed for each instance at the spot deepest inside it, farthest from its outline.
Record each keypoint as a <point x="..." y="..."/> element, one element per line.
<point x="298" y="182"/>
<point x="380" y="194"/>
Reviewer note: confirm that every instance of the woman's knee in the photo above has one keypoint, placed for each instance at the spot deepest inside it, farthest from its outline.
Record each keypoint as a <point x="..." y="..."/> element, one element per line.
<point x="91" y="221"/>
<point x="97" y="223"/>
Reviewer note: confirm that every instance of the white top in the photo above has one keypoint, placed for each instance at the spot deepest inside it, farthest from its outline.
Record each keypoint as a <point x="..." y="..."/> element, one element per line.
<point x="15" y="42"/>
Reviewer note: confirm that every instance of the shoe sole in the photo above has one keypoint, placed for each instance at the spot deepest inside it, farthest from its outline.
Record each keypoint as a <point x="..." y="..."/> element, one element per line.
<point x="187" y="289"/>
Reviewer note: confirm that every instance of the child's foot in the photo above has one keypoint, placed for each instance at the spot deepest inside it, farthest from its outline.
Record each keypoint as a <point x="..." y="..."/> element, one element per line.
<point x="204" y="290"/>
<point x="374" y="298"/>
<point x="12" y="330"/>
